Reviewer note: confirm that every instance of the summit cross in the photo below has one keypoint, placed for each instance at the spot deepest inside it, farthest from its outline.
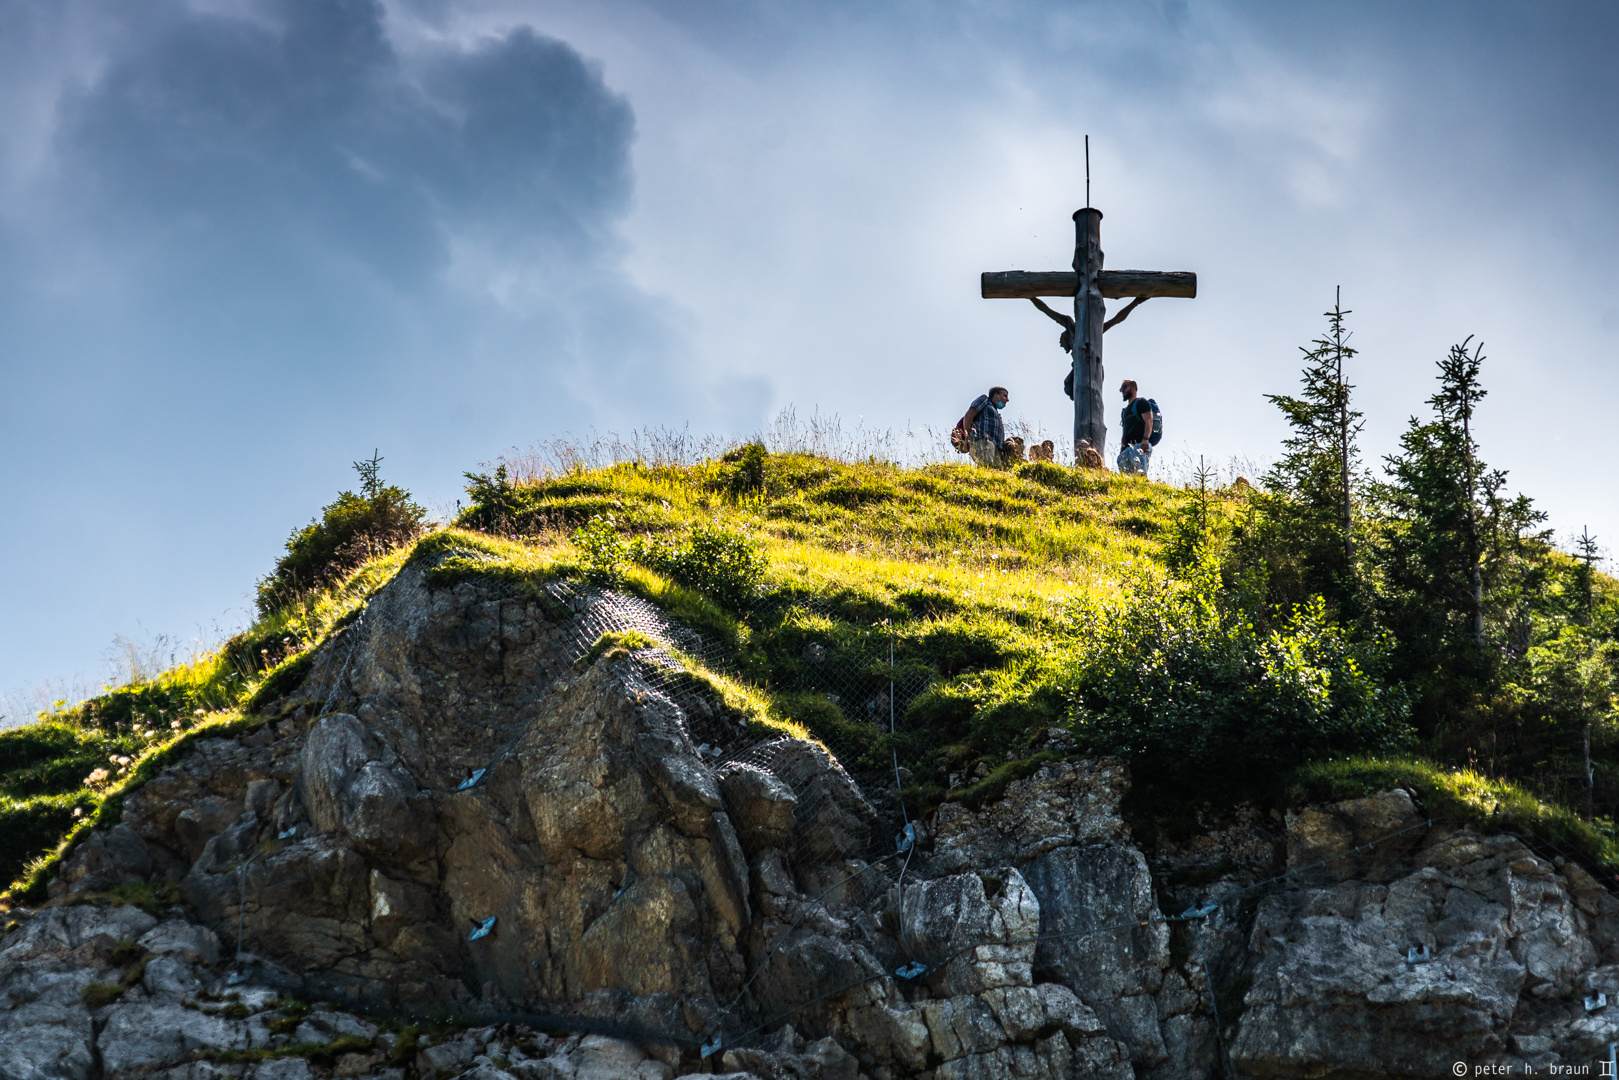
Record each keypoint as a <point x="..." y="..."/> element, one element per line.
<point x="1088" y="284"/>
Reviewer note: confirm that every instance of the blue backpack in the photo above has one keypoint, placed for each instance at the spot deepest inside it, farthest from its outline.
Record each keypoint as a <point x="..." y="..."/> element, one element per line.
<point x="1157" y="420"/>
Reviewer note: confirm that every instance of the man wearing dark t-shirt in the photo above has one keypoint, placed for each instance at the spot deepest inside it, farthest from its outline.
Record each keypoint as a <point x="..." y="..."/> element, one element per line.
<point x="1135" y="436"/>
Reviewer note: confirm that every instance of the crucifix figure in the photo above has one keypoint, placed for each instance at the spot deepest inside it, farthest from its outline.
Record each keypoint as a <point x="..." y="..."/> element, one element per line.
<point x="1088" y="284"/>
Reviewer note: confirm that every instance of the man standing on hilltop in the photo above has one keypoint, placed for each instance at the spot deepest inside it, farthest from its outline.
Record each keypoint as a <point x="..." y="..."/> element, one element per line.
<point x="1135" y="437"/>
<point x="985" y="433"/>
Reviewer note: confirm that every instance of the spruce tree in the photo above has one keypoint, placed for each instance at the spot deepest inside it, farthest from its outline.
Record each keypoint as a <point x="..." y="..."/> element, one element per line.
<point x="1459" y="562"/>
<point x="1586" y="556"/>
<point x="1304" y="522"/>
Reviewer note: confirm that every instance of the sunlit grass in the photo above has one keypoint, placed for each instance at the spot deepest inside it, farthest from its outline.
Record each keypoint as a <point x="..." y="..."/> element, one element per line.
<point x="106" y="806"/>
<point x="983" y="581"/>
<point x="1459" y="796"/>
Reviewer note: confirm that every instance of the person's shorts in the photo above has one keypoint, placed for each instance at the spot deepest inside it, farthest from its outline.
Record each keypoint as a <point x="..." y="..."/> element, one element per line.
<point x="1133" y="460"/>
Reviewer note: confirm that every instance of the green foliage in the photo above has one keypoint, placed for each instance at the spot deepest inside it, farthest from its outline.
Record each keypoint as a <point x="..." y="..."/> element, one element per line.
<point x="748" y="477"/>
<point x="1302" y="525"/>
<point x="24" y="746"/>
<point x="1174" y="680"/>
<point x="722" y="563"/>
<point x="1458" y="561"/>
<point x="349" y="531"/>
<point x="283" y="679"/>
<point x="1024" y="600"/>
<point x="1201" y="524"/>
<point x="604" y="550"/>
<point x="499" y="506"/>
<point x="613" y="641"/>
<point x="105" y="806"/>
<point x="1058" y="478"/>
<point x="31" y="827"/>
<point x="97" y="994"/>
<point x="1459" y="796"/>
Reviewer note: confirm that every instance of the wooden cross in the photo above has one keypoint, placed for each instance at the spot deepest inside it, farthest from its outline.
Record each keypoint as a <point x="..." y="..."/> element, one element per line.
<point x="1088" y="284"/>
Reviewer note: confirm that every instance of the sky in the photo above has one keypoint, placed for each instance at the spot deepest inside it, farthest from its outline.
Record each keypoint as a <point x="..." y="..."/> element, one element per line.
<point x="245" y="243"/>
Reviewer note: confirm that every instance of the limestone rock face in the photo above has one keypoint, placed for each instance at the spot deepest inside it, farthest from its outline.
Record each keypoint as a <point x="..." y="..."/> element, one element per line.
<point x="1059" y="806"/>
<point x="978" y="929"/>
<point x="454" y="815"/>
<point x="1482" y="943"/>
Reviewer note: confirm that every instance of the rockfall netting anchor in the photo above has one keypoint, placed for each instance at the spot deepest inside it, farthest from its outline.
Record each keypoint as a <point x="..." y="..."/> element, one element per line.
<point x="711" y="1047"/>
<point x="1592" y="1004"/>
<point x="1413" y="957"/>
<point x="472" y="780"/>
<point x="914" y="970"/>
<point x="481" y="928"/>
<point x="1195" y="913"/>
<point x="903" y="842"/>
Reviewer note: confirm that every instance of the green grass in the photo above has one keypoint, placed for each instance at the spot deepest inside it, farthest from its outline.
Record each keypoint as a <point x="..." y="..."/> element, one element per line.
<point x="986" y="584"/>
<point x="1458" y="796"/>
<point x="68" y="772"/>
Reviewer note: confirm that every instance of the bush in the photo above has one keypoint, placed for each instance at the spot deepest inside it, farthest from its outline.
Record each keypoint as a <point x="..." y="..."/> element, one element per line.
<point x="350" y="531"/>
<point x="1176" y="682"/>
<point x="604" y="550"/>
<point x="748" y="475"/>
<point x="720" y="562"/>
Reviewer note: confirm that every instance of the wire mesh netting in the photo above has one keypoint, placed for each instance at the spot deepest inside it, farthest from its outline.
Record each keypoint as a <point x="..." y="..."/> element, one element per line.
<point x="1404" y="942"/>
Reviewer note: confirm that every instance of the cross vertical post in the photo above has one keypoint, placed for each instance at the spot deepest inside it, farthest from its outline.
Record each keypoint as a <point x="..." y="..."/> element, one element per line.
<point x="1090" y="286"/>
<point x="1090" y="423"/>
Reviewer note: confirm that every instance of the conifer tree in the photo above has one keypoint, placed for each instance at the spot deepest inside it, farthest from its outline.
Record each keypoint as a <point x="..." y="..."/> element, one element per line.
<point x="1305" y="521"/>
<point x="1586" y="556"/>
<point x="1456" y="556"/>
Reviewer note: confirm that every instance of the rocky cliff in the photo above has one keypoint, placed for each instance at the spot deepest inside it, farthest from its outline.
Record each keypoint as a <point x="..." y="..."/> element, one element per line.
<point x="458" y="850"/>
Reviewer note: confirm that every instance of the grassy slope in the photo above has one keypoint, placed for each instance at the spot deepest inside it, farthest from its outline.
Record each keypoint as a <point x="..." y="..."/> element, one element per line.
<point x="978" y="577"/>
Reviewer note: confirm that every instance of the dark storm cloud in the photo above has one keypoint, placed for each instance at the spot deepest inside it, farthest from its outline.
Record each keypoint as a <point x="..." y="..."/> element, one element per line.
<point x="249" y="140"/>
<point x="243" y="242"/>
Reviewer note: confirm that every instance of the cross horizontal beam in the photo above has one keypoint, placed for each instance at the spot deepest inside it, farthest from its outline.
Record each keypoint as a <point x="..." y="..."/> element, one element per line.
<point x="1017" y="284"/>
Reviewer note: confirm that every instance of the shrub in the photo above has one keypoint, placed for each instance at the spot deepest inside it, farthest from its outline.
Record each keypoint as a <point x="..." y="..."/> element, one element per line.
<point x="723" y="563"/>
<point x="748" y="475"/>
<point x="350" y="531"/>
<point x="497" y="503"/>
<point x="604" y="550"/>
<point x="1176" y="682"/>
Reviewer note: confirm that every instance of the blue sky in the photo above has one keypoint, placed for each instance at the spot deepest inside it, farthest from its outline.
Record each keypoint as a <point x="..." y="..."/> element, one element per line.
<point x="245" y="242"/>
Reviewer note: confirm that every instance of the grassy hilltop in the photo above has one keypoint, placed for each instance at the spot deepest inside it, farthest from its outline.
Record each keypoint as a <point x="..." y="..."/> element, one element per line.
<point x="1017" y="602"/>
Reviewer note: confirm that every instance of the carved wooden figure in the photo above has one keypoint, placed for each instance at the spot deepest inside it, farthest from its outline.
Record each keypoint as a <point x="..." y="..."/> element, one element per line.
<point x="1089" y="285"/>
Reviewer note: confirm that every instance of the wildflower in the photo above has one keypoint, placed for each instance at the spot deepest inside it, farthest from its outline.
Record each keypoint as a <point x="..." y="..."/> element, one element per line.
<point x="174" y="725"/>
<point x="96" y="778"/>
<point x="78" y="812"/>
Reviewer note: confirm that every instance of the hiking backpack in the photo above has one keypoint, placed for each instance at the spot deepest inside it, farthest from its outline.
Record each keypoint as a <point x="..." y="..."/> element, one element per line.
<point x="1157" y="423"/>
<point x="958" y="436"/>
